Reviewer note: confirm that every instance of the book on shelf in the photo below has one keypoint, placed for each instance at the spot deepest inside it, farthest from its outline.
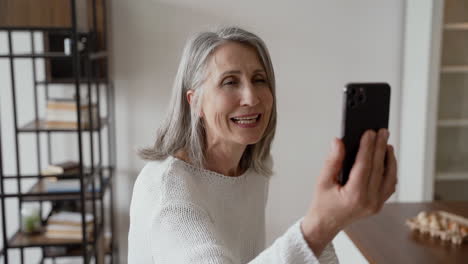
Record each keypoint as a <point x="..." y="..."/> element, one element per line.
<point x="63" y="113"/>
<point x="69" y="218"/>
<point x="68" y="225"/>
<point x="53" y="185"/>
<point x="63" y="168"/>
<point x="67" y="232"/>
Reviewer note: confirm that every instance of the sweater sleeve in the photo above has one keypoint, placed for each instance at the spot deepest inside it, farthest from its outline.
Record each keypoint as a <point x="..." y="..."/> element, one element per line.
<point x="182" y="232"/>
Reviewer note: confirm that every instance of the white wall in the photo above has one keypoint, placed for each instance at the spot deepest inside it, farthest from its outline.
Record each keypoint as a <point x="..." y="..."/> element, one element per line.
<point x="316" y="47"/>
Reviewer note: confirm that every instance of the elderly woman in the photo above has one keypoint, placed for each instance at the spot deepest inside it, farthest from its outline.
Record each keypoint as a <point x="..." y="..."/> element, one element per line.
<point x="201" y="198"/>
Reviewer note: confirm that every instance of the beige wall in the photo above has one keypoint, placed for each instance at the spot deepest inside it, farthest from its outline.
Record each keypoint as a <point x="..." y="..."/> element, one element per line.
<point x="316" y="47"/>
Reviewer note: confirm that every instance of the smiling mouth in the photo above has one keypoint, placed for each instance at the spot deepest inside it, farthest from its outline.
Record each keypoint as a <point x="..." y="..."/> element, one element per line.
<point x="246" y="120"/>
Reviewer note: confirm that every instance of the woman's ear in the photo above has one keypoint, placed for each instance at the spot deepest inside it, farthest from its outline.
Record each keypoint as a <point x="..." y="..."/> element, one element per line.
<point x="190" y="99"/>
<point x="189" y="95"/>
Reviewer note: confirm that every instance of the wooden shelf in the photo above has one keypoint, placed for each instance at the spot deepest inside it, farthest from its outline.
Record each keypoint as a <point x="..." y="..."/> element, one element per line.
<point x="54" y="20"/>
<point x="69" y="252"/>
<point x="41" y="126"/>
<point x="37" y="28"/>
<point x="70" y="247"/>
<point x="454" y="69"/>
<point x="39" y="193"/>
<point x="49" y="13"/>
<point x="456" y="26"/>
<point x="453" y="122"/>
<point x="21" y="240"/>
<point x="451" y="176"/>
<point x="55" y="55"/>
<point x="76" y="251"/>
<point x="67" y="175"/>
<point x="83" y="80"/>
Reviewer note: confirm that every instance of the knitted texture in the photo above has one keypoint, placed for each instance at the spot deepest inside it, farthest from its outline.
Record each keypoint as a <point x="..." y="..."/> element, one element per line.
<point x="183" y="214"/>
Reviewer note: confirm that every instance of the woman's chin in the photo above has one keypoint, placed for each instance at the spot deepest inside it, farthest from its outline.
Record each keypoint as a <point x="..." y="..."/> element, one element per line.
<point x="250" y="140"/>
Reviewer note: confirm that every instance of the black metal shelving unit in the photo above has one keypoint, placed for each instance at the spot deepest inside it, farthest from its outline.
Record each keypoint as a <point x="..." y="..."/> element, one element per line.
<point x="99" y="172"/>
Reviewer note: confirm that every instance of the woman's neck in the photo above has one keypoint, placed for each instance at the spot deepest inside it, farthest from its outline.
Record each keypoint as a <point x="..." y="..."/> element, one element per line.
<point x="224" y="161"/>
<point x="219" y="160"/>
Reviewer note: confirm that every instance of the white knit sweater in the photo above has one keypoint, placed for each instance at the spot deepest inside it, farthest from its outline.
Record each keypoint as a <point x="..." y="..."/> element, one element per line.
<point x="183" y="214"/>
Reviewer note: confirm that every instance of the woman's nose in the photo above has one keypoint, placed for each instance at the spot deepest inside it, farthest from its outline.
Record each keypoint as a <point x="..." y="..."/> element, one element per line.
<point x="249" y="95"/>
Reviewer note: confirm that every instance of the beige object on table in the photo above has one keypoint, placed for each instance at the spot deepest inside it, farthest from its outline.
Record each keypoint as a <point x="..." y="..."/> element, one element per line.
<point x="441" y="224"/>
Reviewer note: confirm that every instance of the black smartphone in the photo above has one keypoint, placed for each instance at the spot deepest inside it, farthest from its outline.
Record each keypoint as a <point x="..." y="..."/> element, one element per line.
<point x="365" y="106"/>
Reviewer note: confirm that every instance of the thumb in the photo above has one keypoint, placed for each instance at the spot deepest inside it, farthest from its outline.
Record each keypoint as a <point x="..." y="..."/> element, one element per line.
<point x="333" y="163"/>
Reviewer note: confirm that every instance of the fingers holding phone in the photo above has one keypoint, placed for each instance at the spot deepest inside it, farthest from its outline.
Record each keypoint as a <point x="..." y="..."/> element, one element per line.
<point x="362" y="168"/>
<point x="390" y="180"/>
<point x="378" y="163"/>
<point x="334" y="206"/>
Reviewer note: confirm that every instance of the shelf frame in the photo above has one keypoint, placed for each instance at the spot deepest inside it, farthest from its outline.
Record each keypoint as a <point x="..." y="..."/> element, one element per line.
<point x="41" y="126"/>
<point x="88" y="58"/>
<point x="35" y="192"/>
<point x="462" y="26"/>
<point x="458" y="122"/>
<point x="451" y="176"/>
<point x="54" y="55"/>
<point x="454" y="69"/>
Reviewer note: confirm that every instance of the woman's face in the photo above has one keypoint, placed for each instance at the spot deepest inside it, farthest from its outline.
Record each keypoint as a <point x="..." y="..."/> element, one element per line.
<point x="237" y="99"/>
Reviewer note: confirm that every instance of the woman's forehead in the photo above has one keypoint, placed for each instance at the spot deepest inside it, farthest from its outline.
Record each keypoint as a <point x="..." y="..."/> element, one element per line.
<point x="233" y="56"/>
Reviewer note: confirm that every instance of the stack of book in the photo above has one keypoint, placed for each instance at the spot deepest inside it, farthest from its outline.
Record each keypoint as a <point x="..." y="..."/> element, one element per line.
<point x="62" y="113"/>
<point x="63" y="168"/>
<point x="67" y="225"/>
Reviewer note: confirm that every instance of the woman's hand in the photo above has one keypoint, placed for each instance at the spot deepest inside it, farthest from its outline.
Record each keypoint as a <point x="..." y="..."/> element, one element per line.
<point x="371" y="182"/>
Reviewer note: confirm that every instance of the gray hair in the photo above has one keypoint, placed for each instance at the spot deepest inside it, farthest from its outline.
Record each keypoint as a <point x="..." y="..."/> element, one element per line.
<point x="182" y="129"/>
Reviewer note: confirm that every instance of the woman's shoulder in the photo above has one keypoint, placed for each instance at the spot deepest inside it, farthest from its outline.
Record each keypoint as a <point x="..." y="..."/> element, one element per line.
<point x="154" y="170"/>
<point x="150" y="176"/>
<point x="170" y="179"/>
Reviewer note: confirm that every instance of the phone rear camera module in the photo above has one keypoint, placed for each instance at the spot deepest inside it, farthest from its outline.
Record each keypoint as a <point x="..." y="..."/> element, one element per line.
<point x="352" y="104"/>
<point x="361" y="98"/>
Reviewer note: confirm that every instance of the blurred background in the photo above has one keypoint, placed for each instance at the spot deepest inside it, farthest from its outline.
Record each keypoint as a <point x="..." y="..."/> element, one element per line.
<point x="129" y="51"/>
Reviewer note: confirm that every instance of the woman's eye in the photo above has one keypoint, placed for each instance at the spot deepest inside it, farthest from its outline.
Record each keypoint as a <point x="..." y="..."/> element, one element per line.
<point x="260" y="81"/>
<point x="229" y="82"/>
<point x="259" y="78"/>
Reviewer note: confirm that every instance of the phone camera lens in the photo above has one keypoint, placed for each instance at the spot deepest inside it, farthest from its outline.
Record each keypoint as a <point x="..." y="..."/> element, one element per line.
<point x="352" y="91"/>
<point x="361" y="98"/>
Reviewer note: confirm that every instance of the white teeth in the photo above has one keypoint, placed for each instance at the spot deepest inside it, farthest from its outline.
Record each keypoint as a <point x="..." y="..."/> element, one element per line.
<point x="245" y="118"/>
<point x="245" y="121"/>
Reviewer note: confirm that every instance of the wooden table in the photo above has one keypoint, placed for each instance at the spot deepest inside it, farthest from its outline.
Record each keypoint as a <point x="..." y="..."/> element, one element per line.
<point x="384" y="238"/>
